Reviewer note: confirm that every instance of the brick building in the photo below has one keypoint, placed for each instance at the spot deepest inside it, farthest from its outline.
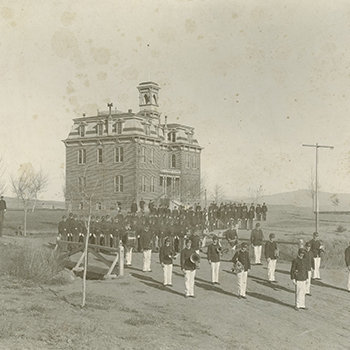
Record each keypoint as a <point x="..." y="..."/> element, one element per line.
<point x="125" y="156"/>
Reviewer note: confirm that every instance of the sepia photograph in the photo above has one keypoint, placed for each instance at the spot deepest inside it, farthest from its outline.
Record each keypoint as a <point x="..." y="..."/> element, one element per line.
<point x="174" y="174"/>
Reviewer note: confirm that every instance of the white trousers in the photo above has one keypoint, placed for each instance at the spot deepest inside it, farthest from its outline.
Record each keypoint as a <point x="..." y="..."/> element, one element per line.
<point x="317" y="263"/>
<point x="308" y="283"/>
<point x="257" y="254"/>
<point x="215" y="266"/>
<point x="271" y="267"/>
<point x="147" y="254"/>
<point x="300" y="294"/>
<point x="349" y="281"/>
<point x="168" y="271"/>
<point x="242" y="282"/>
<point x="128" y="256"/>
<point x="189" y="282"/>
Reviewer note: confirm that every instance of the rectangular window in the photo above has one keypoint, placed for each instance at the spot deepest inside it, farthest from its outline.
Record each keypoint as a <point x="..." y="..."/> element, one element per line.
<point x="193" y="160"/>
<point x="99" y="155"/>
<point x="143" y="183"/>
<point x="152" y="156"/>
<point x="143" y="154"/>
<point x="187" y="160"/>
<point x="152" y="184"/>
<point x="98" y="206"/>
<point x="118" y="183"/>
<point x="81" y="156"/>
<point x="81" y="183"/>
<point x="118" y="154"/>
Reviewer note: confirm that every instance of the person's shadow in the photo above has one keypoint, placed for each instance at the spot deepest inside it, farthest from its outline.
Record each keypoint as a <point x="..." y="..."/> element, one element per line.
<point x="269" y="299"/>
<point x="160" y="286"/>
<point x="322" y="284"/>
<point x="274" y="286"/>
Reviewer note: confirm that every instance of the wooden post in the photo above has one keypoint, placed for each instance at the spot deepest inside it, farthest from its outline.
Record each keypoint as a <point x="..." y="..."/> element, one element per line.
<point x="121" y="259"/>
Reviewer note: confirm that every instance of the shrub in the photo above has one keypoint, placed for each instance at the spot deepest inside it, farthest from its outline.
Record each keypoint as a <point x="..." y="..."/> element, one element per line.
<point x="340" y="229"/>
<point x="31" y="263"/>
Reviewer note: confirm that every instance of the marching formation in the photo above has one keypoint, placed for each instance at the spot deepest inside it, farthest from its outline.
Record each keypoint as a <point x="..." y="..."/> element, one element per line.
<point x="186" y="233"/>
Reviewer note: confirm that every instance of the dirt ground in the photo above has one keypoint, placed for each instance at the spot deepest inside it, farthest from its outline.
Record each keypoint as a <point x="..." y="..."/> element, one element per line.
<point x="137" y="312"/>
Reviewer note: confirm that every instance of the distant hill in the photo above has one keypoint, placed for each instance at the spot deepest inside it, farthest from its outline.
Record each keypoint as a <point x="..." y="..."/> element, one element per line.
<point x="302" y="198"/>
<point x="14" y="203"/>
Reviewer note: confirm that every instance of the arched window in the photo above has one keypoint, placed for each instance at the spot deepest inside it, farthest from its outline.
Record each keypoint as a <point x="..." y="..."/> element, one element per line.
<point x="147" y="99"/>
<point x="155" y="99"/>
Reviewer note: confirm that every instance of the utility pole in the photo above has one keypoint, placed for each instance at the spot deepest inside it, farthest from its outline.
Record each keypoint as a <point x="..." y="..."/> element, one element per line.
<point x="316" y="146"/>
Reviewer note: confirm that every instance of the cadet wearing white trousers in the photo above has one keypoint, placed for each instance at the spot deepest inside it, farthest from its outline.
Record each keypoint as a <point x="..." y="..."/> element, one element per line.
<point x="188" y="267"/>
<point x="298" y="274"/>
<point x="166" y="255"/>
<point x="213" y="254"/>
<point x="271" y="255"/>
<point x="256" y="238"/>
<point x="241" y="258"/>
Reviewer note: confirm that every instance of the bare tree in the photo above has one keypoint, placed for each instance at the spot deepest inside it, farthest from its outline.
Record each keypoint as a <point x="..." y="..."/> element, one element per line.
<point x="27" y="186"/>
<point x="256" y="193"/>
<point x="218" y="194"/>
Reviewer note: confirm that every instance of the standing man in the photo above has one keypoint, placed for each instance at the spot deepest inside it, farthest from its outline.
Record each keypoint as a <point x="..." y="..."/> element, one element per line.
<point x="308" y="256"/>
<point x="264" y="211"/>
<point x="214" y="251"/>
<point x="316" y="250"/>
<point x="298" y="274"/>
<point x="347" y="262"/>
<point x="166" y="255"/>
<point x="188" y="266"/>
<point x="146" y="238"/>
<point x="271" y="255"/>
<point x="232" y="236"/>
<point x="251" y="216"/>
<point x="256" y="238"/>
<point x="62" y="228"/>
<point x="3" y="209"/>
<point x="241" y="262"/>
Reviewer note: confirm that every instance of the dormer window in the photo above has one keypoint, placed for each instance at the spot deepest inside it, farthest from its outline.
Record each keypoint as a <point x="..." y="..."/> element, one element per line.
<point x="147" y="129"/>
<point x="172" y="136"/>
<point x="82" y="130"/>
<point x="119" y="127"/>
<point x="100" y="129"/>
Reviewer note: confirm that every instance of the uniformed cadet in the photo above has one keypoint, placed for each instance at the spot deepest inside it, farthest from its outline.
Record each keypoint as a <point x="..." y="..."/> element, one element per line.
<point x="298" y="274"/>
<point x="166" y="256"/>
<point x="213" y="254"/>
<point x="271" y="255"/>
<point x="316" y="249"/>
<point x="264" y="211"/>
<point x="242" y="259"/>
<point x="146" y="237"/>
<point x="251" y="216"/>
<point x="256" y="238"/>
<point x="308" y="256"/>
<point x="347" y="263"/>
<point x="258" y="211"/>
<point x="188" y="266"/>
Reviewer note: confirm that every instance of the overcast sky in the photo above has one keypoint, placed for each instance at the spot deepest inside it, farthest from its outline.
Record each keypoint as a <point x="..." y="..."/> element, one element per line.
<point x="255" y="78"/>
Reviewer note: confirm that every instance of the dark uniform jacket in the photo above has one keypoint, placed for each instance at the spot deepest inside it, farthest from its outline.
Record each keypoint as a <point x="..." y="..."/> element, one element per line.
<point x="62" y="227"/>
<point x="146" y="239"/>
<point x="243" y="258"/>
<point x="298" y="270"/>
<point x="186" y="263"/>
<point x="309" y="260"/>
<point x="195" y="239"/>
<point x="270" y="250"/>
<point x="315" y="248"/>
<point x="166" y="255"/>
<point x="213" y="252"/>
<point x="2" y="205"/>
<point x="347" y="256"/>
<point x="231" y="234"/>
<point x="257" y="236"/>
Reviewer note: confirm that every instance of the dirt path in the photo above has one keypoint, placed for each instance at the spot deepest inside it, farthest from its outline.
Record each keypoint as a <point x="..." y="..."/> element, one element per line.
<point x="137" y="312"/>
